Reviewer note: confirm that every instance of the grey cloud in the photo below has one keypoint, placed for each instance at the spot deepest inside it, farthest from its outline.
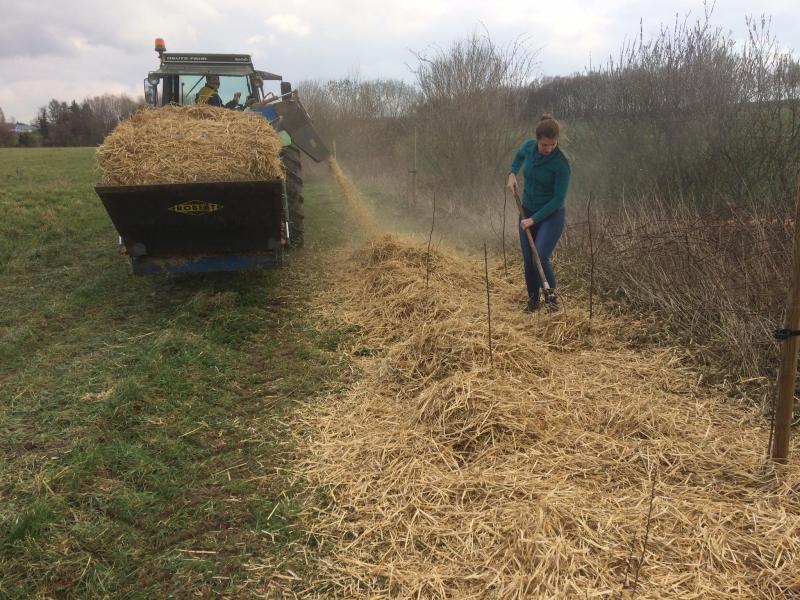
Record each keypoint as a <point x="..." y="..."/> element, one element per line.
<point x="19" y="39"/>
<point x="41" y="29"/>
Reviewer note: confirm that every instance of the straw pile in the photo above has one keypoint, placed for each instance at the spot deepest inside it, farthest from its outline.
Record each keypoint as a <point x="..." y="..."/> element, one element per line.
<point x="181" y="144"/>
<point x="451" y="479"/>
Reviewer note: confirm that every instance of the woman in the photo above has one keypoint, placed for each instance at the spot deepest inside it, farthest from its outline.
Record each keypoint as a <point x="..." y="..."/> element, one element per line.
<point x="546" y="175"/>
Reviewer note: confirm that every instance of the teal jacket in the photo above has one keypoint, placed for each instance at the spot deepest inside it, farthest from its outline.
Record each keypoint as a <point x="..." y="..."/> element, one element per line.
<point x="546" y="179"/>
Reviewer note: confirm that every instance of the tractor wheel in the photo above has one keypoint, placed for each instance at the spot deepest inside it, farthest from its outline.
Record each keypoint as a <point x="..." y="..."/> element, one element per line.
<point x="294" y="194"/>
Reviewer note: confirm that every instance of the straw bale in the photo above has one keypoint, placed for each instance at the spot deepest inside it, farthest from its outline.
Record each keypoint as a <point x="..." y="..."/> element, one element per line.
<point x="182" y="144"/>
<point x="452" y="479"/>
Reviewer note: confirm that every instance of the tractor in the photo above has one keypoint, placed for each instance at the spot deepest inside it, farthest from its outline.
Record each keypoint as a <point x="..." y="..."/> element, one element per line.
<point x="217" y="226"/>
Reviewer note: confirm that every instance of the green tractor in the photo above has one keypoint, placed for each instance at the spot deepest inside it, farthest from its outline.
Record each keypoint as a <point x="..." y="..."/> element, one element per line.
<point x="169" y="228"/>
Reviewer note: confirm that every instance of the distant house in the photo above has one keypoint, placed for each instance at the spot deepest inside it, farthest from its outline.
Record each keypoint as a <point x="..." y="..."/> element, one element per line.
<point x="17" y="128"/>
<point x="12" y="134"/>
<point x="23" y="128"/>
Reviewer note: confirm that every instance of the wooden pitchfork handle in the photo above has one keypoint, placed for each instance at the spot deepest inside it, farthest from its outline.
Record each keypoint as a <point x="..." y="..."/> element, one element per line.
<point x="548" y="291"/>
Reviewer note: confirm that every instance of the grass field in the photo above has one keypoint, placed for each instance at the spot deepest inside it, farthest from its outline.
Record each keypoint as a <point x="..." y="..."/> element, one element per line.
<point x="142" y="419"/>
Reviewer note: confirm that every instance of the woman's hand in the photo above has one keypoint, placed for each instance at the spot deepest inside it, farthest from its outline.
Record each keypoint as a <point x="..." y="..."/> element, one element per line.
<point x="511" y="184"/>
<point x="526" y="223"/>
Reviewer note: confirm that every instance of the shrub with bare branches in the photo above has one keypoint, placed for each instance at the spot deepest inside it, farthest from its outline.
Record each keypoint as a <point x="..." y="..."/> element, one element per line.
<point x="471" y="112"/>
<point x="364" y="119"/>
<point x="688" y="113"/>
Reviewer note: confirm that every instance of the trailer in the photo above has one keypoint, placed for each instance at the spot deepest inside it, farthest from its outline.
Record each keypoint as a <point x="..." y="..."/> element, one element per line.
<point x="199" y="227"/>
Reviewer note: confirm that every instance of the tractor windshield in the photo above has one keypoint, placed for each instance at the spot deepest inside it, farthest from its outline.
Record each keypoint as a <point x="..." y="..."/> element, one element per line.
<point x="190" y="85"/>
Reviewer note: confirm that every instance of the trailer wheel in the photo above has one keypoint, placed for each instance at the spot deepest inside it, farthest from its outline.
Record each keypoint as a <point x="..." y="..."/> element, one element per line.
<point x="294" y="194"/>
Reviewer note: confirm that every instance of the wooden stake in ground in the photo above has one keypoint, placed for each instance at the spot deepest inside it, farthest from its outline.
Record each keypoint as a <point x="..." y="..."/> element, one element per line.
<point x="646" y="531"/>
<point x="505" y="201"/>
<point x="414" y="173"/>
<point x="591" y="256"/>
<point x="624" y="594"/>
<point x="791" y="342"/>
<point x="430" y="239"/>
<point x="488" y="303"/>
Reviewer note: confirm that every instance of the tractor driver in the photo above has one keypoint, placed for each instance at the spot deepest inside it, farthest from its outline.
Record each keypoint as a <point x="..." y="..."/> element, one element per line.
<point x="209" y="95"/>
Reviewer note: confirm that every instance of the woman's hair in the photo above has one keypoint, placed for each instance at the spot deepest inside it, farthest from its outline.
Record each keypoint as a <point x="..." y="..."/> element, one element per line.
<point x="548" y="127"/>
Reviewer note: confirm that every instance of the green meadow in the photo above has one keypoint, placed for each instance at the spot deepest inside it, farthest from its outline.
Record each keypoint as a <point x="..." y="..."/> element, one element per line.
<point x="143" y="420"/>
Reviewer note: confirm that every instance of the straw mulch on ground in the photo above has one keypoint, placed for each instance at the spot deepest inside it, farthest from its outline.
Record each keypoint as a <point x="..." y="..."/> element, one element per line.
<point x="450" y="478"/>
<point x="182" y="144"/>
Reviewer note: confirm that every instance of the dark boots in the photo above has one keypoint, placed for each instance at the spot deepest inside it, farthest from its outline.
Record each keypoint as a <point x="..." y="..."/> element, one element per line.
<point x="551" y="303"/>
<point x="533" y="305"/>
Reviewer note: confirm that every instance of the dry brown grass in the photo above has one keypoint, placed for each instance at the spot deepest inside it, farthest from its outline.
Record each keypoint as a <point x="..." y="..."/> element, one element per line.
<point x="452" y="479"/>
<point x="716" y="285"/>
<point x="181" y="144"/>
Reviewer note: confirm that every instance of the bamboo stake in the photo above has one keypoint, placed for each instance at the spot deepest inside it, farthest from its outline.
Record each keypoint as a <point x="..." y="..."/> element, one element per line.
<point x="788" y="366"/>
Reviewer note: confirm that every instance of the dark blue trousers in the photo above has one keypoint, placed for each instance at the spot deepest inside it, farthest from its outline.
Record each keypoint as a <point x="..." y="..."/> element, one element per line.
<point x="546" y="234"/>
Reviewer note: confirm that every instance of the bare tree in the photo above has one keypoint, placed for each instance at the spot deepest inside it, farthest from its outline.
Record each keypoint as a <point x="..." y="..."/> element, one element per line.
<point x="680" y="113"/>
<point x="7" y="137"/>
<point x="470" y="110"/>
<point x="365" y="118"/>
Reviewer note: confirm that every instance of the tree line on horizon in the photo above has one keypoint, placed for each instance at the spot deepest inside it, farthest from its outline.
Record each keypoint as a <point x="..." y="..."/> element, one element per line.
<point x="678" y="113"/>
<point x="60" y="124"/>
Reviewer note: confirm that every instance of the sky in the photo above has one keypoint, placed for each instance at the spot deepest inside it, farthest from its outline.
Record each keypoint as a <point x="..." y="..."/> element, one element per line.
<point x="82" y="48"/>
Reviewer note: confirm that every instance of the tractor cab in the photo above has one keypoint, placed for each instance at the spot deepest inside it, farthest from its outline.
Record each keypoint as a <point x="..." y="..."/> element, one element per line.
<point x="180" y="77"/>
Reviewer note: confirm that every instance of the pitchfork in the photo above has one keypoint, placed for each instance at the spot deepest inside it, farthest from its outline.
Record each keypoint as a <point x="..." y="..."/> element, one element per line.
<point x="549" y="294"/>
